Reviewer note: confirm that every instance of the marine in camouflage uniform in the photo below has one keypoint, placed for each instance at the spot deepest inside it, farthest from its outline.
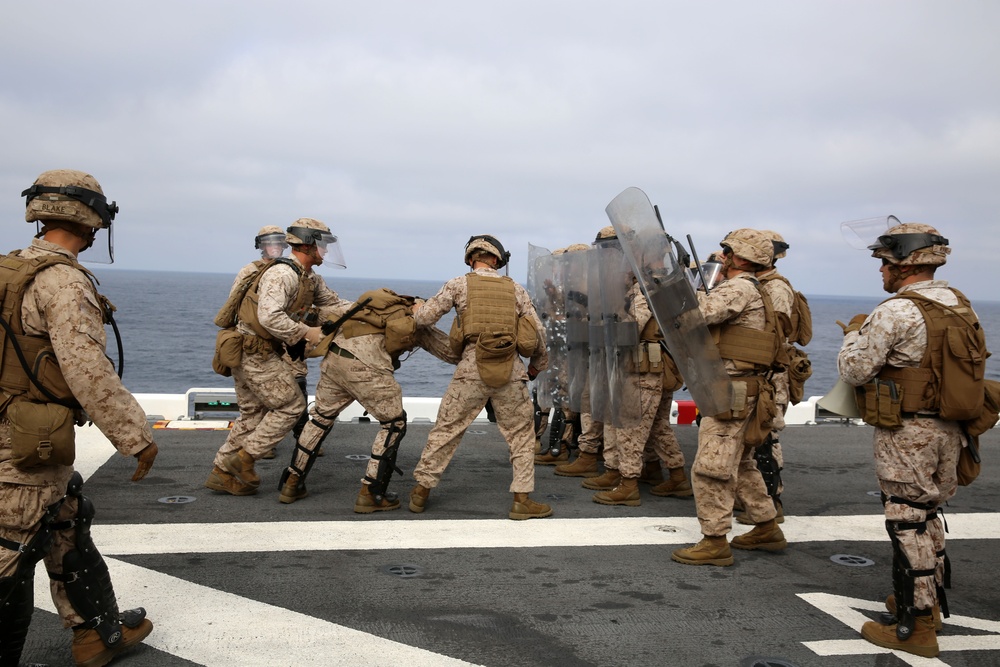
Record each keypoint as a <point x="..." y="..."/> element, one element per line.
<point x="468" y="391"/>
<point x="915" y="464"/>
<point x="270" y="240"/>
<point x="724" y="467"/>
<point x="43" y="514"/>
<point x="652" y="432"/>
<point x="769" y="456"/>
<point x="268" y="395"/>
<point x="359" y="368"/>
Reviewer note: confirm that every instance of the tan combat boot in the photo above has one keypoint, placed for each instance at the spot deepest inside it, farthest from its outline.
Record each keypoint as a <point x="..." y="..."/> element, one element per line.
<point x="220" y="480"/>
<point x="240" y="465"/>
<point x="764" y="536"/>
<point x="366" y="502"/>
<point x="677" y="485"/>
<point x="710" y="551"/>
<point x="652" y="472"/>
<point x="890" y="604"/>
<point x="293" y="489"/>
<point x="546" y="459"/>
<point x="626" y="493"/>
<point x="526" y="508"/>
<point x="585" y="465"/>
<point x="608" y="480"/>
<point x="922" y="642"/>
<point x="418" y="498"/>
<point x="89" y="649"/>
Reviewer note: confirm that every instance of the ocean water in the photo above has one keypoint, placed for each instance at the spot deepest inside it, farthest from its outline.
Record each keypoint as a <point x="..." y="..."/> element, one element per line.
<point x="165" y="320"/>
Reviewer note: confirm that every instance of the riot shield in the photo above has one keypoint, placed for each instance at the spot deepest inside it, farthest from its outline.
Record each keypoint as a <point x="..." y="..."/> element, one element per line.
<point x="598" y="366"/>
<point x="672" y="300"/>
<point x="540" y="271"/>
<point x="550" y="306"/>
<point x="621" y="333"/>
<point x="577" y="328"/>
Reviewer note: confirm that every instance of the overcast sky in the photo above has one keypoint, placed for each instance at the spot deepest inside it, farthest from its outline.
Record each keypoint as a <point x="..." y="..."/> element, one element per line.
<point x="409" y="126"/>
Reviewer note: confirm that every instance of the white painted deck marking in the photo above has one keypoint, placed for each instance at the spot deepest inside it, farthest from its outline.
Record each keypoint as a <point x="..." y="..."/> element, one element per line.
<point x="845" y="610"/>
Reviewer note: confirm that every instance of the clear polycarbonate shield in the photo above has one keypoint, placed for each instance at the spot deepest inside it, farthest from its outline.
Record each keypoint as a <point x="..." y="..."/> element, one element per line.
<point x="100" y="251"/>
<point x="577" y="328"/>
<point x="621" y="333"/>
<point x="672" y="300"/>
<point x="712" y="272"/>
<point x="860" y="234"/>
<point x="598" y="366"/>
<point x="546" y="293"/>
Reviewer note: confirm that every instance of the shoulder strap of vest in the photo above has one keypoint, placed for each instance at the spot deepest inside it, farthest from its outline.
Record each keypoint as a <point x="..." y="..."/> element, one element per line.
<point x="962" y="300"/>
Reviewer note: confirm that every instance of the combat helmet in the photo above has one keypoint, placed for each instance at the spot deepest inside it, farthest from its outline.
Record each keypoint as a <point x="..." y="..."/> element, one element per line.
<point x="750" y="244"/>
<point x="911" y="243"/>
<point x="69" y="195"/>
<point x="488" y="244"/>
<point x="780" y="247"/>
<point x="606" y="234"/>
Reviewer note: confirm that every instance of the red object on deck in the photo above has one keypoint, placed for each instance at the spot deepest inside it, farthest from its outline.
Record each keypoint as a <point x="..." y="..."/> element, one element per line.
<point x="686" y="412"/>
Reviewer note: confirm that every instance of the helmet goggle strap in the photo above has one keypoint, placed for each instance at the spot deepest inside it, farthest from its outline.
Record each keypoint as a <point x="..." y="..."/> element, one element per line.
<point x="95" y="200"/>
<point x="779" y="247"/>
<point x="504" y="255"/>
<point x="316" y="237"/>
<point x="901" y="245"/>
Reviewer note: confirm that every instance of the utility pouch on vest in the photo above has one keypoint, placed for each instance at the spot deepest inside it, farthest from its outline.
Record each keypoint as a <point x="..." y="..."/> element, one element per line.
<point x="495" y="354"/>
<point x="400" y="334"/>
<point x="47" y="371"/>
<point x="42" y="434"/>
<point x="880" y="403"/>
<point x="799" y="370"/>
<point x="969" y="464"/>
<point x="456" y="339"/>
<point x="962" y="369"/>
<point x="990" y="413"/>
<point x="527" y="337"/>
<point x="672" y="380"/>
<point x="228" y="351"/>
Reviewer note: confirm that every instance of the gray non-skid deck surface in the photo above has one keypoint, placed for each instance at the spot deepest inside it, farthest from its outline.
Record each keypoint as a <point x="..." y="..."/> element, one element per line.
<point x="550" y="605"/>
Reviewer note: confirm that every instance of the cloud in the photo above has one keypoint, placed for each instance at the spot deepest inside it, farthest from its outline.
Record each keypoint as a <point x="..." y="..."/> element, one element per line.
<point x="409" y="127"/>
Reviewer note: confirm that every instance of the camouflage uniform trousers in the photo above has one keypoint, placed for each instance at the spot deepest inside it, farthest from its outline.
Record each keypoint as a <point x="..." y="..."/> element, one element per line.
<point x="723" y="468"/>
<point x="22" y="507"/>
<point x="918" y="463"/>
<point x="341" y="382"/>
<point x="462" y="402"/>
<point x="270" y="403"/>
<point x="653" y="431"/>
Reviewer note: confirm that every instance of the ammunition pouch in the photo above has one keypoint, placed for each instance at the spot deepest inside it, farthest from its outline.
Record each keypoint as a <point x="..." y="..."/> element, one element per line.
<point x="744" y="388"/>
<point x="42" y="434"/>
<point x="881" y="403"/>
<point x="646" y="357"/>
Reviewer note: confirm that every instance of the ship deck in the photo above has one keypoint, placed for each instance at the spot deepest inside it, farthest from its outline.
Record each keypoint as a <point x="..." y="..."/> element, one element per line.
<point x="243" y="581"/>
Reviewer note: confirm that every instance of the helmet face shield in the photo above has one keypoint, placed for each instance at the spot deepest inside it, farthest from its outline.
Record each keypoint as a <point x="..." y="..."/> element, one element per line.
<point x="271" y="245"/>
<point x="861" y="234"/>
<point x="330" y="251"/>
<point x="712" y="270"/>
